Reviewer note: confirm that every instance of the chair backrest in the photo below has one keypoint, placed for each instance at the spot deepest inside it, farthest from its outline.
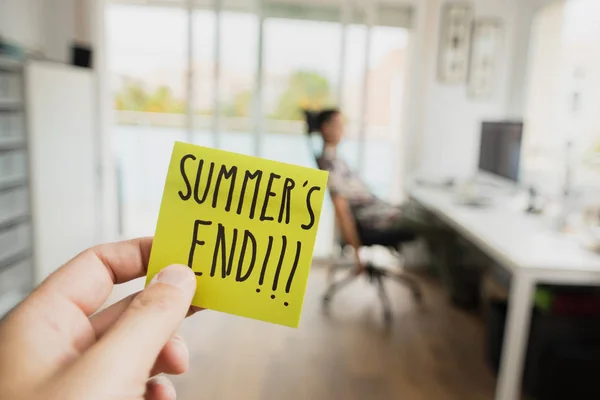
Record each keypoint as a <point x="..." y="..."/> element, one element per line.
<point x="368" y="237"/>
<point x="338" y="239"/>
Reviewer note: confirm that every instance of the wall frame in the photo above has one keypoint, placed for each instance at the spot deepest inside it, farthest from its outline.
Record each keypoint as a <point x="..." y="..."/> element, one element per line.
<point x="483" y="64"/>
<point x="455" y="42"/>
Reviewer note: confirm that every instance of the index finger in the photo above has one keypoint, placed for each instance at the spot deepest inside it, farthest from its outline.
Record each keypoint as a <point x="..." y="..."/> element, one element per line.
<point x="88" y="279"/>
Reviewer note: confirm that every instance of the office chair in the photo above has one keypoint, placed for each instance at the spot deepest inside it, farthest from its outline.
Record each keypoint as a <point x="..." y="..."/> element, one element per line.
<point x="392" y="240"/>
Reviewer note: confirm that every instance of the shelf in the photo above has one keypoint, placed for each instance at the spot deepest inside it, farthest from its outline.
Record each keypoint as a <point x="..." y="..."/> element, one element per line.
<point x="10" y="104"/>
<point x="10" y="222"/>
<point x="10" y="64"/>
<point x="15" y="258"/>
<point x="11" y="144"/>
<point x="12" y="183"/>
<point x="15" y="266"/>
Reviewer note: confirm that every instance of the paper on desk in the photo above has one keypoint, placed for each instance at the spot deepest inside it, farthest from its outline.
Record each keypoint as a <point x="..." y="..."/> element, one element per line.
<point x="245" y="225"/>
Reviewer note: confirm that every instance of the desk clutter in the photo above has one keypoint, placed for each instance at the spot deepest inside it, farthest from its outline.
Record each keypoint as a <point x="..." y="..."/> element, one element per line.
<point x="563" y="349"/>
<point x="564" y="343"/>
<point x="479" y="253"/>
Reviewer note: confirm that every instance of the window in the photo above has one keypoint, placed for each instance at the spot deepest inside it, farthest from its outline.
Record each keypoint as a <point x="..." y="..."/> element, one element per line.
<point x="385" y="83"/>
<point x="250" y="70"/>
<point x="148" y="76"/>
<point x="239" y="62"/>
<point x="301" y="71"/>
<point x="564" y="94"/>
<point x="204" y="85"/>
<point x="301" y="64"/>
<point x="353" y="86"/>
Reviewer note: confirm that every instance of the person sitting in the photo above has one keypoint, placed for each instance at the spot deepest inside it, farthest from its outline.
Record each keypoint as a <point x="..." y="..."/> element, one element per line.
<point x="358" y="211"/>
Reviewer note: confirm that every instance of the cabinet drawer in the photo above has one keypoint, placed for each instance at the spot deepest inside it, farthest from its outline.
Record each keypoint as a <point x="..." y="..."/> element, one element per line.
<point x="10" y="85"/>
<point x="17" y="277"/>
<point x="14" y="240"/>
<point x="12" y="126"/>
<point x="13" y="203"/>
<point x="13" y="164"/>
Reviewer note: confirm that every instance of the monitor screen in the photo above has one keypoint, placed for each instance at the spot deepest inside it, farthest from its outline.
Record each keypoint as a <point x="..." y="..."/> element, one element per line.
<point x="500" y="150"/>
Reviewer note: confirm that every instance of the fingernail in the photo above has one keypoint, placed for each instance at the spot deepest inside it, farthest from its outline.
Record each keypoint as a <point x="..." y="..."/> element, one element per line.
<point x="166" y="384"/>
<point x="175" y="275"/>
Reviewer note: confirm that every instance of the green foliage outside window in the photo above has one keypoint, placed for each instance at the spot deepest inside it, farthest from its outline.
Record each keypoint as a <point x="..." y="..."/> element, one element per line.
<point x="133" y="96"/>
<point x="305" y="90"/>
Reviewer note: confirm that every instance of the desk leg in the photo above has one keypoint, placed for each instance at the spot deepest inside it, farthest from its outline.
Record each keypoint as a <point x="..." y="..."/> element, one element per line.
<point x="516" y="335"/>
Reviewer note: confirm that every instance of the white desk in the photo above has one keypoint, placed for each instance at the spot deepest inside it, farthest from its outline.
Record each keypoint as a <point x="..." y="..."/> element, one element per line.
<point x="530" y="250"/>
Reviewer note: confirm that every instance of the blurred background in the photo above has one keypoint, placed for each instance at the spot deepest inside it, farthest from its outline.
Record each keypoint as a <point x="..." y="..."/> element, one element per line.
<point x="94" y="93"/>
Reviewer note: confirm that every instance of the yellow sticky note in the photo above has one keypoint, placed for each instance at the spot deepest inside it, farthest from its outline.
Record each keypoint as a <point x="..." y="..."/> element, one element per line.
<point x="247" y="228"/>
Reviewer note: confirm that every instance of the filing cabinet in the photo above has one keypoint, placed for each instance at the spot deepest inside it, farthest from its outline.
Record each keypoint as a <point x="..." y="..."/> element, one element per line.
<point x="16" y="256"/>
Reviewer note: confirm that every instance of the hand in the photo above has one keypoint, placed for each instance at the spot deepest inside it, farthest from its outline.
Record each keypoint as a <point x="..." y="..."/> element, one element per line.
<point x="52" y="347"/>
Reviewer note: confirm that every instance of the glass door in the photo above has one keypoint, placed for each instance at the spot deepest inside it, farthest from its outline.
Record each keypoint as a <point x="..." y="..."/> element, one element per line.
<point x="301" y="72"/>
<point x="352" y="100"/>
<point x="301" y="64"/>
<point x="238" y="62"/>
<point x="148" y="74"/>
<point x="383" y="150"/>
<point x="225" y="58"/>
<point x="237" y="75"/>
<point x="203" y="82"/>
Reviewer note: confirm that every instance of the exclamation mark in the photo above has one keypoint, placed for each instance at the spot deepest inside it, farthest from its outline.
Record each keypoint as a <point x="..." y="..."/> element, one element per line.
<point x="288" y="286"/>
<point x="279" y="264"/>
<point x="265" y="263"/>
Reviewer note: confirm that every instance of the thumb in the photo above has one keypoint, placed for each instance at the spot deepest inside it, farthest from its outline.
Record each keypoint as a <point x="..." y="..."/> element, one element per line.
<point x="135" y="341"/>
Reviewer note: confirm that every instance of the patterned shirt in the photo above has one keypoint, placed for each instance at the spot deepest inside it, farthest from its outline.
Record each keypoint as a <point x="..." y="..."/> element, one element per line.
<point x="369" y="211"/>
<point x="343" y="181"/>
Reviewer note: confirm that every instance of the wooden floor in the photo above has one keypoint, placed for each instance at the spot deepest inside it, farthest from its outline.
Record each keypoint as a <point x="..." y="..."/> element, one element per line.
<point x="433" y="352"/>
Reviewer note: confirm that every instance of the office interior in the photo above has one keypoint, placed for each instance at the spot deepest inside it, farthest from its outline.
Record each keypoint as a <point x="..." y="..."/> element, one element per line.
<point x="481" y="112"/>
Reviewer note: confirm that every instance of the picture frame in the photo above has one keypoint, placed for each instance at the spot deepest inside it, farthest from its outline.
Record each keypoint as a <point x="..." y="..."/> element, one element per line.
<point x="486" y="45"/>
<point x="455" y="42"/>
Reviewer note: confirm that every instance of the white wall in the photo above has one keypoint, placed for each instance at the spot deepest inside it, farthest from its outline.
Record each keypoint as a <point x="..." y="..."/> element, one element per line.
<point x="50" y="26"/>
<point x="59" y="29"/>
<point x="521" y="58"/>
<point x="445" y="122"/>
<point x="565" y="66"/>
<point x="20" y="21"/>
<point x="65" y="22"/>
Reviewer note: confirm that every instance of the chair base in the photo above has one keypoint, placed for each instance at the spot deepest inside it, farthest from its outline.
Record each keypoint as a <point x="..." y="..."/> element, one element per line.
<point x="376" y="276"/>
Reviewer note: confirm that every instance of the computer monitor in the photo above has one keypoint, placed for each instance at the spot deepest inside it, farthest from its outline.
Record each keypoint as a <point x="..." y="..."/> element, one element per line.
<point x="500" y="149"/>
